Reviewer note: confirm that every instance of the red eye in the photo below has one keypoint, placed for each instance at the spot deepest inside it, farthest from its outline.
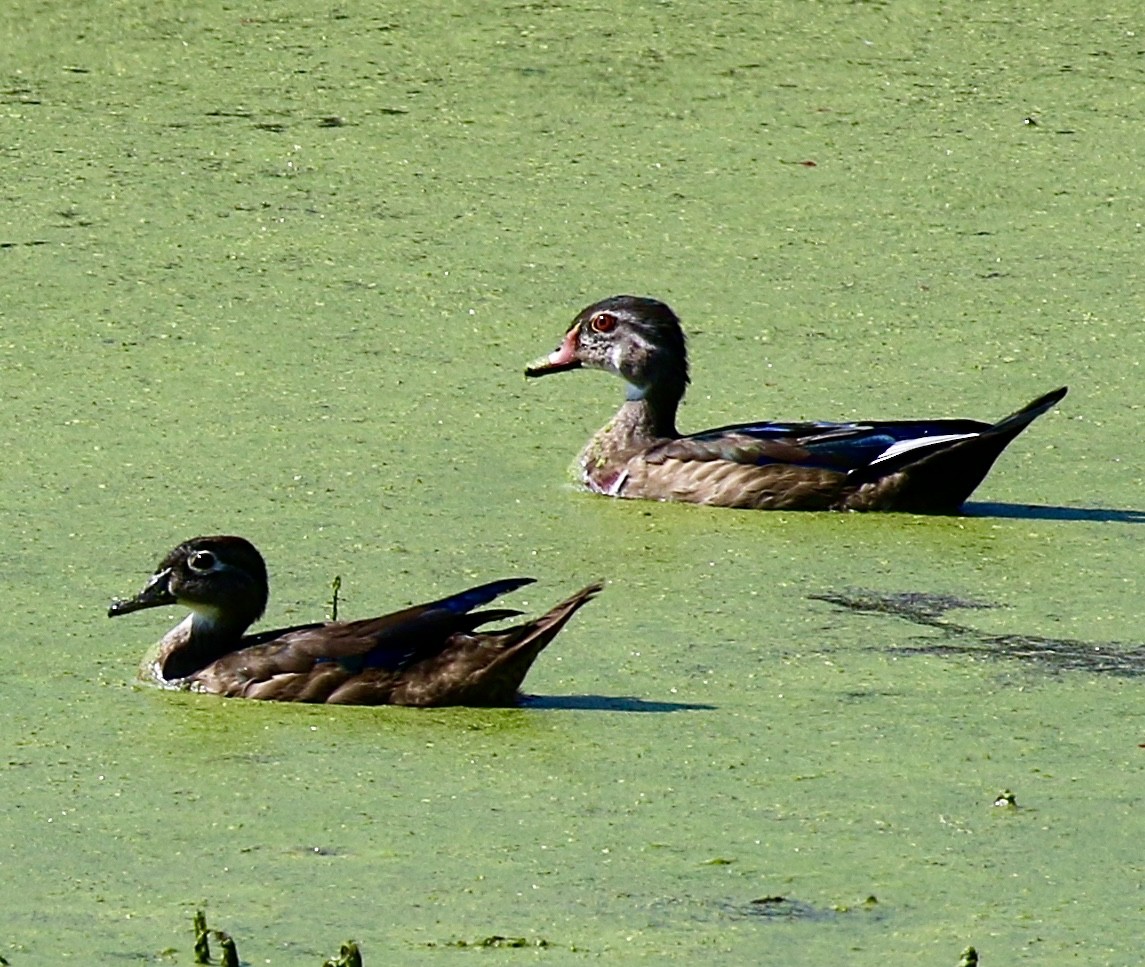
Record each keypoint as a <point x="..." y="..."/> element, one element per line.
<point x="603" y="322"/>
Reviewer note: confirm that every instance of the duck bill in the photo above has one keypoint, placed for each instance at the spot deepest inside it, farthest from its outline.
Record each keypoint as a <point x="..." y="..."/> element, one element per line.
<point x="562" y="358"/>
<point x="156" y="594"/>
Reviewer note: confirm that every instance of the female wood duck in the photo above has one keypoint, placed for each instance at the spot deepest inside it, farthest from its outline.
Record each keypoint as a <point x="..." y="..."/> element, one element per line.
<point x="919" y="466"/>
<point x="429" y="654"/>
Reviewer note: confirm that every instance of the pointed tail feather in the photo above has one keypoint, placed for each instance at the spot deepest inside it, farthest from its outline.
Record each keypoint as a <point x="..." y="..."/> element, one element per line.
<point x="535" y="635"/>
<point x="1015" y="422"/>
<point x="521" y="645"/>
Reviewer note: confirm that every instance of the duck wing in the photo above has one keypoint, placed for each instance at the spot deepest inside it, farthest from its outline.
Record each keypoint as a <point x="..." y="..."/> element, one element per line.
<point x="307" y="662"/>
<point x="839" y="447"/>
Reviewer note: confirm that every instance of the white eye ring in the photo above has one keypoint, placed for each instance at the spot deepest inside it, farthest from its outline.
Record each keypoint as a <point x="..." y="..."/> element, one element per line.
<point x="202" y="561"/>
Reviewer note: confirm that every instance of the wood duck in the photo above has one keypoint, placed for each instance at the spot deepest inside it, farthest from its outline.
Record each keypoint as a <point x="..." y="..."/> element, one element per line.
<point x="919" y="466"/>
<point x="429" y="654"/>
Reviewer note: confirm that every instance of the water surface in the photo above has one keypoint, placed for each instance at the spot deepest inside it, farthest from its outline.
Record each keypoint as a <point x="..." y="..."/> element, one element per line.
<point x="275" y="269"/>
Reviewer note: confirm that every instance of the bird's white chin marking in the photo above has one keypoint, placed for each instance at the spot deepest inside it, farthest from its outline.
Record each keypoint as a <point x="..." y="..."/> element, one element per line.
<point x="203" y="618"/>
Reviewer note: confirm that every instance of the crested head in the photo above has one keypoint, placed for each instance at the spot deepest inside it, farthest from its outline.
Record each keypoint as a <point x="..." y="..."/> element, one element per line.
<point x="222" y="579"/>
<point x="637" y="338"/>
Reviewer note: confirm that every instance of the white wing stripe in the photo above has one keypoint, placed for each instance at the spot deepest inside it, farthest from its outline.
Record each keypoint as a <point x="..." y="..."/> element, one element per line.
<point x="903" y="446"/>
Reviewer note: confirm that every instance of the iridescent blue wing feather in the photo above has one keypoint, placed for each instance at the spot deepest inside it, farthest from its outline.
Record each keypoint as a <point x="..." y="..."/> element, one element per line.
<point x="843" y="447"/>
<point x="465" y="601"/>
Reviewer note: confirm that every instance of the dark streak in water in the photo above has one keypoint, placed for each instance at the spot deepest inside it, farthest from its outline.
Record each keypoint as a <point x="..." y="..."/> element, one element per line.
<point x="1053" y="654"/>
<point x="610" y="703"/>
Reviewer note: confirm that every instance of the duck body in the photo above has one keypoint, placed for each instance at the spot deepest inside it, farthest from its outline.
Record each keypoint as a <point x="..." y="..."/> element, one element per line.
<point x="427" y="655"/>
<point x="919" y="466"/>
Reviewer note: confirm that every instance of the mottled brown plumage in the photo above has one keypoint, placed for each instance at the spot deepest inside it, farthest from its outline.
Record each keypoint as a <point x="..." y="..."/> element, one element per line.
<point x="921" y="466"/>
<point x="430" y="654"/>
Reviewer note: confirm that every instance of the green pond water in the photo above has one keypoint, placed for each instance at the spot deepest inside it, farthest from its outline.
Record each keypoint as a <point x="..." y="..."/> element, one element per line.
<point x="275" y="268"/>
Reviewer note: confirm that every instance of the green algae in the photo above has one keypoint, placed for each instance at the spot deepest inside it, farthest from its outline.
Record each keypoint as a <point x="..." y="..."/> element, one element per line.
<point x="276" y="270"/>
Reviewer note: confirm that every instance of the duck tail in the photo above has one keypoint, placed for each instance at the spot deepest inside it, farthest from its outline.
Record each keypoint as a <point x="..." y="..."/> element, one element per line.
<point x="941" y="480"/>
<point x="1015" y="423"/>
<point x="519" y="647"/>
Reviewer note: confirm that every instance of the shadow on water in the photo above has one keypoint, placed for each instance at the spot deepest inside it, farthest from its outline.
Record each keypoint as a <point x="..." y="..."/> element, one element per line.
<point x="1039" y="512"/>
<point x="610" y="703"/>
<point x="1053" y="654"/>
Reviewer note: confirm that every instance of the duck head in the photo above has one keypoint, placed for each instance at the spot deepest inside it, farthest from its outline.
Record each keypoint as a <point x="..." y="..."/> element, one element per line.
<point x="221" y="579"/>
<point x="636" y="338"/>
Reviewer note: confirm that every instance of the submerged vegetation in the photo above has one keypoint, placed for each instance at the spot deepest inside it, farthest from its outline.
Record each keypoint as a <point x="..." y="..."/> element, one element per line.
<point x="348" y="956"/>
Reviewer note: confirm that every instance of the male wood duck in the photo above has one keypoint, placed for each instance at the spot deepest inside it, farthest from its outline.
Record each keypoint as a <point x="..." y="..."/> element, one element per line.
<point x="919" y="466"/>
<point x="430" y="654"/>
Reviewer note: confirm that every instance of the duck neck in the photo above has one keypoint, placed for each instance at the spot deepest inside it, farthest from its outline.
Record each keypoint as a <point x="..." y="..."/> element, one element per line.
<point x="647" y="417"/>
<point x="203" y="638"/>
<point x="648" y="413"/>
